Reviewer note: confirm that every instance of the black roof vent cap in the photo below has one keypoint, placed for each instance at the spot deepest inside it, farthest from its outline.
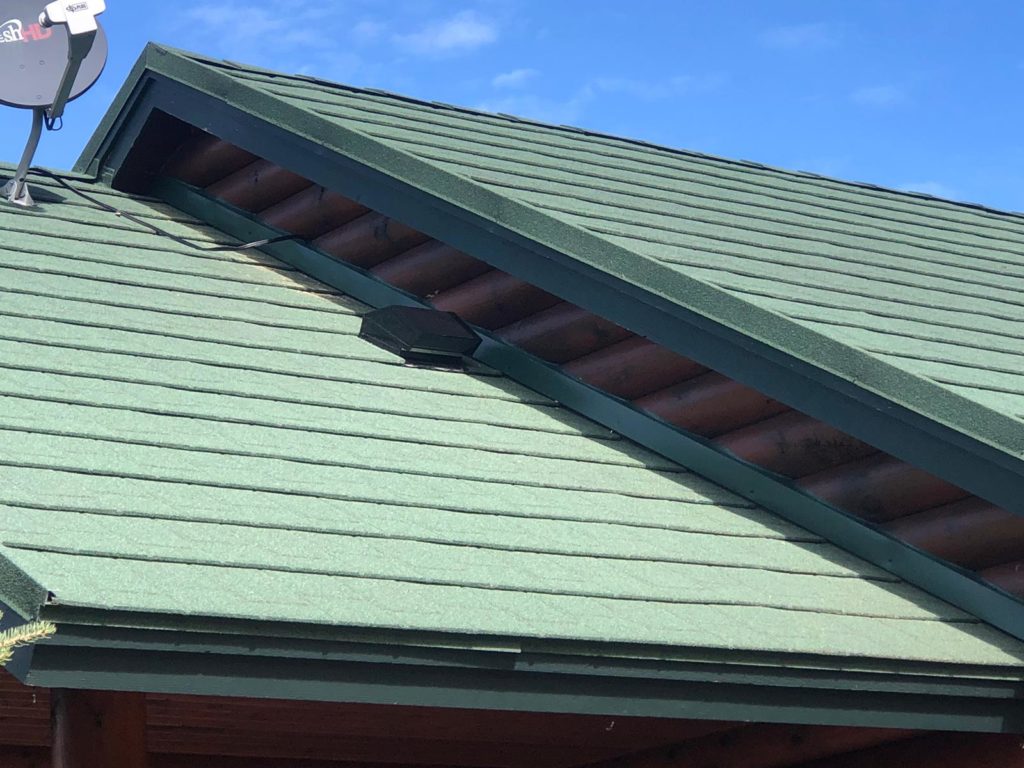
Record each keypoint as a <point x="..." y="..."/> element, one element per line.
<point x="420" y="335"/>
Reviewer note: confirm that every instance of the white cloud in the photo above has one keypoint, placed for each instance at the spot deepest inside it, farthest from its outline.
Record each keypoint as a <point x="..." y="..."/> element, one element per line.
<point x="558" y="112"/>
<point x="235" y="29"/>
<point x="464" y="31"/>
<point x="367" y="31"/>
<point x="570" y="110"/>
<point x="878" y="96"/>
<point x="933" y="188"/>
<point x="517" y="78"/>
<point x="658" y="89"/>
<point x="799" y="37"/>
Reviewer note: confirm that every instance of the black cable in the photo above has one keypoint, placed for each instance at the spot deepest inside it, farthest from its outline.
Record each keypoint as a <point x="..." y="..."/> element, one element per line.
<point x="155" y="229"/>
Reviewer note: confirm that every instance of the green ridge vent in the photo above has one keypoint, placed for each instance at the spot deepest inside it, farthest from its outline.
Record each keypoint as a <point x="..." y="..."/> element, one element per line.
<point x="424" y="336"/>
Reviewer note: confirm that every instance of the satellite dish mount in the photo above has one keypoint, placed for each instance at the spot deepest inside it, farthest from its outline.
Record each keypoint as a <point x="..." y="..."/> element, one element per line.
<point x="23" y="43"/>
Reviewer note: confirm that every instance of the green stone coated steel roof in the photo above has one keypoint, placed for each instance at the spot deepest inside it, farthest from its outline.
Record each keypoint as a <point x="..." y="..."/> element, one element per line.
<point x="929" y="286"/>
<point x="913" y="298"/>
<point x="203" y="435"/>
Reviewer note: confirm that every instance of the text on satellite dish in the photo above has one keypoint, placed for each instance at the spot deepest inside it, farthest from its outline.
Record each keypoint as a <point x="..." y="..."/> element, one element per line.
<point x="13" y="31"/>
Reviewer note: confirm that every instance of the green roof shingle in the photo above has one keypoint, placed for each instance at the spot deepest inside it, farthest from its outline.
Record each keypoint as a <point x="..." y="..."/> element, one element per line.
<point x="204" y="435"/>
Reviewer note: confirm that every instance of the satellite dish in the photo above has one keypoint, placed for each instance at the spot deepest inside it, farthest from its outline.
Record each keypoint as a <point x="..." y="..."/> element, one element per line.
<point x="33" y="58"/>
<point x="29" y="48"/>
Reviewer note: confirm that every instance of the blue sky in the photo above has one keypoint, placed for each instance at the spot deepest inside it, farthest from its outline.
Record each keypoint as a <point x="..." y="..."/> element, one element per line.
<point x="909" y="94"/>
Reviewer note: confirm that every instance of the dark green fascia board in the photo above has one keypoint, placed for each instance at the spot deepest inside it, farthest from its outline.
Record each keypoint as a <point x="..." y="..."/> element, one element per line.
<point x="954" y="585"/>
<point x="277" y="635"/>
<point x="384" y="682"/>
<point x="95" y="655"/>
<point x="908" y="416"/>
<point x="272" y="633"/>
<point x="775" y="670"/>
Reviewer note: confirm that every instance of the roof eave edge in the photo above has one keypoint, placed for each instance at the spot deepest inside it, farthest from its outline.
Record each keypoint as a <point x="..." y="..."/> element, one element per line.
<point x="172" y="662"/>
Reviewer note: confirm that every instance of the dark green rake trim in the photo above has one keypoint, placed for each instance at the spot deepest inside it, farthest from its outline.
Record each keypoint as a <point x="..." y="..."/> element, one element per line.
<point x="175" y="663"/>
<point x="954" y="585"/>
<point x="22" y="595"/>
<point x="916" y="420"/>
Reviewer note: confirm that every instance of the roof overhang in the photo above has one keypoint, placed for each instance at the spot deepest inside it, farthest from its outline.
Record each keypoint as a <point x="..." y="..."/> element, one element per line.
<point x="101" y="651"/>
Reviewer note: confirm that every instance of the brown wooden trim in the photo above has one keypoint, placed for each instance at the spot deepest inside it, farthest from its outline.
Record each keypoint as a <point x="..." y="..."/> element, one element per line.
<point x="936" y="750"/>
<point x="1008" y="576"/>
<point x="633" y="368"/>
<point x="971" y="533"/>
<point x="312" y="212"/>
<point x="258" y="185"/>
<point x="563" y="332"/>
<point x="794" y="444"/>
<point x="24" y="757"/>
<point x="881" y="488"/>
<point x="217" y="761"/>
<point x="428" y="269"/>
<point x="494" y="300"/>
<point x="710" y="405"/>
<point x="759" y="746"/>
<point x="206" y="159"/>
<point x="99" y="728"/>
<point x="369" y="240"/>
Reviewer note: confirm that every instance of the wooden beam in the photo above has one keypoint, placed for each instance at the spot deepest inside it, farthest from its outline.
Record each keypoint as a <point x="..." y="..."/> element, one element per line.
<point x="794" y="444"/>
<point x="174" y="721"/>
<point x="494" y="300"/>
<point x="24" y="757"/>
<point x="710" y="405"/>
<point x="99" y="728"/>
<point x="215" y="761"/>
<point x="428" y="269"/>
<point x="257" y="186"/>
<point x="562" y="333"/>
<point x="881" y="488"/>
<point x="312" y="212"/>
<point x="937" y="750"/>
<point x="633" y="368"/>
<point x="760" y="746"/>
<point x="369" y="240"/>
<point x="205" y="159"/>
<point x="971" y="533"/>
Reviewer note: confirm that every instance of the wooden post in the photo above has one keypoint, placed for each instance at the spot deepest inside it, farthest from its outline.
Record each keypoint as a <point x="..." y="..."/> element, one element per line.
<point x="99" y="729"/>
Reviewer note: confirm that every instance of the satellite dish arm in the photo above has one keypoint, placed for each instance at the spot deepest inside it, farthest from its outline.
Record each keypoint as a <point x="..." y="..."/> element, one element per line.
<point x="79" y="48"/>
<point x="80" y="18"/>
<point x="16" y="189"/>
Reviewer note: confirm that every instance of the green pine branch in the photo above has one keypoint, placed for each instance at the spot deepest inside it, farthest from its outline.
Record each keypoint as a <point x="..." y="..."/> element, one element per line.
<point x="26" y="634"/>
